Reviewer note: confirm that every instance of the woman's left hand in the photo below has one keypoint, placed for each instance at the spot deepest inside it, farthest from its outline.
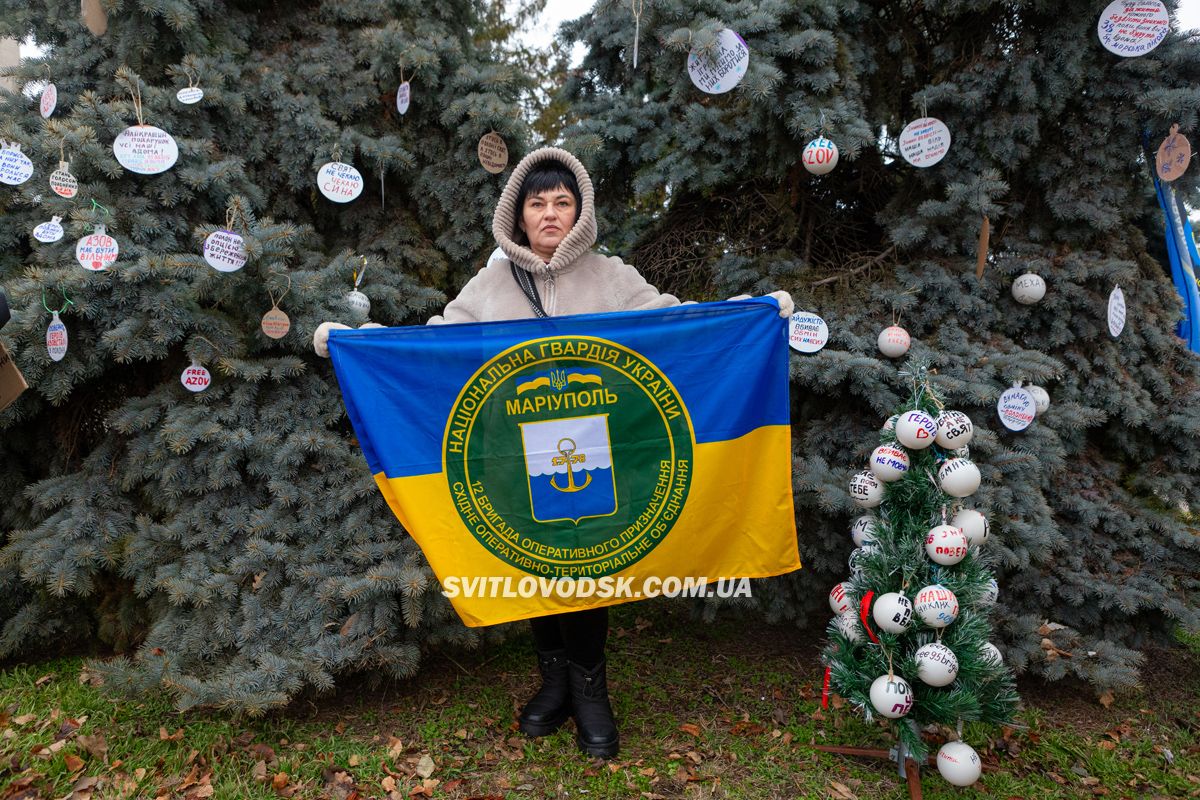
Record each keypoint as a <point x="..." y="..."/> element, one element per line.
<point x="786" y="306"/>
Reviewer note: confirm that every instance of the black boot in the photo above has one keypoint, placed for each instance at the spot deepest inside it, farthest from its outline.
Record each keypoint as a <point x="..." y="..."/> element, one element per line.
<point x="597" y="730"/>
<point x="547" y="710"/>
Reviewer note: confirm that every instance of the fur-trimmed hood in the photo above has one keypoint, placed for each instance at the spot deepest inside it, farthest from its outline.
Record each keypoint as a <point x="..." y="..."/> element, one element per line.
<point x="577" y="242"/>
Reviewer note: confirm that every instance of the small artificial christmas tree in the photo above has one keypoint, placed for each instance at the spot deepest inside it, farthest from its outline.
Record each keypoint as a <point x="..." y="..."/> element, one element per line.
<point x="911" y="640"/>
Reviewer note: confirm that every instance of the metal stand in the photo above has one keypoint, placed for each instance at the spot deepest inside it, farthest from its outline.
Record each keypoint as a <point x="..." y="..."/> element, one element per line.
<point x="909" y="769"/>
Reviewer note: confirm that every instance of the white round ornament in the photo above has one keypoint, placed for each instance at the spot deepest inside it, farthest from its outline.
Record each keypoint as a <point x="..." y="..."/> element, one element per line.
<point x="924" y="142"/>
<point x="145" y="149"/>
<point x="863" y="530"/>
<point x="339" y="182"/>
<point x="893" y="341"/>
<point x="807" y="332"/>
<point x="936" y="664"/>
<point x="936" y="606"/>
<point x="97" y="250"/>
<point x="56" y="338"/>
<point x="959" y="764"/>
<point x="865" y="489"/>
<point x="820" y="156"/>
<point x="973" y="525"/>
<point x="839" y="599"/>
<point x="954" y="430"/>
<point x="15" y="166"/>
<point x="892" y="612"/>
<point x="847" y="625"/>
<point x="225" y="251"/>
<point x="888" y="462"/>
<point x="48" y="101"/>
<point x="946" y="545"/>
<point x="991" y="594"/>
<point x="1041" y="399"/>
<point x="724" y="69"/>
<point x="959" y="477"/>
<point x="493" y="153"/>
<point x="359" y="303"/>
<point x="890" y="425"/>
<point x="1017" y="408"/>
<point x="50" y="231"/>
<point x="916" y="430"/>
<point x="1116" y="312"/>
<point x="1029" y="288"/>
<point x="62" y="182"/>
<point x="1133" y="27"/>
<point x="891" y="696"/>
<point x="403" y="98"/>
<point x="858" y="554"/>
<point x="991" y="654"/>
<point x="276" y="324"/>
<point x="196" y="377"/>
<point x="190" y="95"/>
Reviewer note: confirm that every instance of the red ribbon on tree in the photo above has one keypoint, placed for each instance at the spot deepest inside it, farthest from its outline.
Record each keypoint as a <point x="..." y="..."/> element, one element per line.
<point x="825" y="689"/>
<point x="864" y="607"/>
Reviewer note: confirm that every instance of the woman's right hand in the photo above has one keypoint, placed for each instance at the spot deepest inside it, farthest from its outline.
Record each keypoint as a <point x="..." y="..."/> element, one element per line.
<point x="321" y="337"/>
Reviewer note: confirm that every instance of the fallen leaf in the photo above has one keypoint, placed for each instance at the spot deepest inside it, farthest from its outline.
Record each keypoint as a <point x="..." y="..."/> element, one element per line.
<point x="395" y="747"/>
<point x="647" y="772"/>
<point x="355" y="760"/>
<point x="74" y="763"/>
<point x="163" y="736"/>
<point x="264" y="751"/>
<point x="279" y="781"/>
<point x="690" y="728"/>
<point x="461" y="733"/>
<point x="425" y="766"/>
<point x="95" y="746"/>
<point x="258" y="773"/>
<point x="747" y="728"/>
<point x="1106" y="744"/>
<point x="450" y="786"/>
<point x="388" y="783"/>
<point x="841" y="791"/>
<point x="24" y="719"/>
<point x="1106" y="699"/>
<point x="42" y="681"/>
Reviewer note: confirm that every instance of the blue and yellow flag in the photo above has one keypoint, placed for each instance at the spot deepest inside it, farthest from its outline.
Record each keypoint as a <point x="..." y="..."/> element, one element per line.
<point x="549" y="465"/>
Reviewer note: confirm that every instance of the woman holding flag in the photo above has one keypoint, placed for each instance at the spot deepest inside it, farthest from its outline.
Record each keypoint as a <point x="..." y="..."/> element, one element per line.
<point x="545" y="225"/>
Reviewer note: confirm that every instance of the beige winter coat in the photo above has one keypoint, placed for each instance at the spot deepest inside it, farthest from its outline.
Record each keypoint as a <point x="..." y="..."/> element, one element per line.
<point x="576" y="281"/>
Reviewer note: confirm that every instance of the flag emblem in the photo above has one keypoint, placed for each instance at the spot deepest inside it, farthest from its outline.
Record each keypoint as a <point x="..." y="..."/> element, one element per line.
<point x="570" y="469"/>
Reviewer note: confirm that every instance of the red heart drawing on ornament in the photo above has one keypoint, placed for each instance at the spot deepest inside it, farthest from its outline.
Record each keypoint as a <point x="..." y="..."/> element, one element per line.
<point x="97" y="265"/>
<point x="922" y="433"/>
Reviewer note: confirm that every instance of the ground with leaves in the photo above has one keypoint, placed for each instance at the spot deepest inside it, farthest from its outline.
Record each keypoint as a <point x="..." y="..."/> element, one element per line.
<point x="707" y="711"/>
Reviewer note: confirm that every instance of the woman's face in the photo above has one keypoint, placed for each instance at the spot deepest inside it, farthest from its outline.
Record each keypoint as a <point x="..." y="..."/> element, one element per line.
<point x="546" y="218"/>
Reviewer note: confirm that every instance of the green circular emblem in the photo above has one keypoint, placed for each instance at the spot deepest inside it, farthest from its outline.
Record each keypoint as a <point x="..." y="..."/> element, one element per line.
<point x="569" y="456"/>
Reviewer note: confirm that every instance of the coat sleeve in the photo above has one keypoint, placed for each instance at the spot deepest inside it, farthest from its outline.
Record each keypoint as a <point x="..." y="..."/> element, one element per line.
<point x="467" y="306"/>
<point x="635" y="293"/>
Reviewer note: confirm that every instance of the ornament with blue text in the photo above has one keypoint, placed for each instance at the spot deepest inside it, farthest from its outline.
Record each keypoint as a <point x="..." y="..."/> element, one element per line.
<point x="403" y="97"/>
<point x="196" y="377"/>
<point x="863" y="530"/>
<point x="1016" y="408"/>
<point x="891" y="696"/>
<point x="143" y="148"/>
<point x="820" y="156"/>
<point x="959" y="477"/>
<point x="973" y="525"/>
<point x="916" y="430"/>
<point x="839" y="598"/>
<point x="723" y="67"/>
<point x="892" y="612"/>
<point x="924" y="142"/>
<point x="991" y="595"/>
<point x="959" y="763"/>
<point x="1028" y="289"/>
<point x="358" y="303"/>
<point x="56" y="332"/>
<point x="807" y="332"/>
<point x="936" y="664"/>
<point x="15" y="166"/>
<point x="865" y="489"/>
<point x="190" y="95"/>
<point x="48" y="232"/>
<point x="893" y="341"/>
<point x="888" y="462"/>
<point x="946" y="545"/>
<point x="339" y="182"/>
<point x="936" y="606"/>
<point x="1131" y="28"/>
<point x="97" y="250"/>
<point x="954" y="430"/>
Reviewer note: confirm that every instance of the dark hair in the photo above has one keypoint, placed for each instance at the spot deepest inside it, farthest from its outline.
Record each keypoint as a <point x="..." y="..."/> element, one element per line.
<point x="544" y="176"/>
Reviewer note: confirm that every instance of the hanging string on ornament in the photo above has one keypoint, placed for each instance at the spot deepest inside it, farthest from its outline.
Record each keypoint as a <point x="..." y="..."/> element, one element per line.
<point x="636" y="7"/>
<point x="56" y="332"/>
<point x="15" y="166"/>
<point x="143" y="148"/>
<point x="97" y="250"/>
<point x="275" y="323"/>
<point x="192" y="94"/>
<point x="359" y="303"/>
<point x="48" y="232"/>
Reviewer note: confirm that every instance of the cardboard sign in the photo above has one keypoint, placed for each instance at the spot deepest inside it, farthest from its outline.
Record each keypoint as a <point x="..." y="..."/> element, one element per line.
<point x="50" y="231"/>
<point x="63" y="183"/>
<point x="12" y="382"/>
<point x="96" y="250"/>
<point x="1133" y="27"/>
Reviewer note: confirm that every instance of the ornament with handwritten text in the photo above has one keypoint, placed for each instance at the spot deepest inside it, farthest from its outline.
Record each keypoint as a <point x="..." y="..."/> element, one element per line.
<point x="807" y="333"/>
<point x="403" y="98"/>
<point x="48" y="101"/>
<point x="49" y="232"/>
<point x="1016" y="408"/>
<point x="62" y="182"/>
<point x="196" y="377"/>
<point x="493" y="153"/>
<point x="225" y="251"/>
<point x="97" y="250"/>
<point x="820" y="156"/>
<point x="56" y="338"/>
<point x="190" y="95"/>
<point x="15" y="166"/>
<point x="1174" y="155"/>
<point x="924" y="142"/>
<point x="339" y="182"/>
<point x="723" y="69"/>
<point x="1028" y="289"/>
<point x="893" y="341"/>
<point x="1132" y="28"/>
<point x="145" y="149"/>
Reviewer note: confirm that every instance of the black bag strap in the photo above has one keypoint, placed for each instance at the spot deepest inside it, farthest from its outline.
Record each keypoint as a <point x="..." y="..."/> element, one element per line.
<point x="529" y="289"/>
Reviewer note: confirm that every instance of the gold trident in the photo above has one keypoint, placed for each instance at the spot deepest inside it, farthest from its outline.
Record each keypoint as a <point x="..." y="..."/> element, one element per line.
<point x="569" y="458"/>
